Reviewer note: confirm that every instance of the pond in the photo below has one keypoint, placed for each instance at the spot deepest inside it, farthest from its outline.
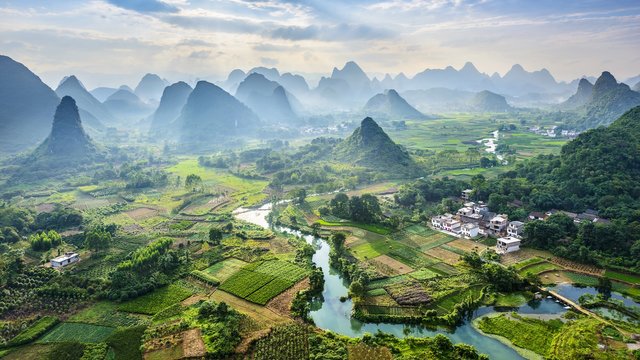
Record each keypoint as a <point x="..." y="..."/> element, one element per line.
<point x="573" y="292"/>
<point x="330" y="313"/>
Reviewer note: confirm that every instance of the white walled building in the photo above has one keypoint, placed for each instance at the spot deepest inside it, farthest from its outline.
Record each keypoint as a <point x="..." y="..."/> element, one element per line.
<point x="515" y="229"/>
<point x="469" y="230"/>
<point x="498" y="223"/>
<point x="64" y="260"/>
<point x="507" y="245"/>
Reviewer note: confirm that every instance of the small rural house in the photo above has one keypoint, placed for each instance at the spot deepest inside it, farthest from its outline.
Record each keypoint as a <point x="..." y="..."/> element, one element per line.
<point x="480" y="208"/>
<point x="535" y="215"/>
<point x="452" y="225"/>
<point x="498" y="223"/>
<point x="64" y="260"/>
<point x="469" y="230"/>
<point x="465" y="211"/>
<point x="515" y="229"/>
<point x="466" y="194"/>
<point x="507" y="245"/>
<point x="446" y="222"/>
<point x="437" y="221"/>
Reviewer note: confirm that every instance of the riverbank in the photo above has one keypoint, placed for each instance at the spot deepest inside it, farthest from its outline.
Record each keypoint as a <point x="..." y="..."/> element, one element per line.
<point x="525" y="353"/>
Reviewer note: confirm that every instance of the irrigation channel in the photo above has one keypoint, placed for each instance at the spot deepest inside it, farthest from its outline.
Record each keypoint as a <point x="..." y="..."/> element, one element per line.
<point x="332" y="314"/>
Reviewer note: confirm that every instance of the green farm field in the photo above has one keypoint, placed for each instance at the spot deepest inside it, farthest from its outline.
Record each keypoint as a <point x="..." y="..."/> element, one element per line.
<point x="84" y="333"/>
<point x="259" y="282"/>
<point x="155" y="301"/>
<point x="224" y="269"/>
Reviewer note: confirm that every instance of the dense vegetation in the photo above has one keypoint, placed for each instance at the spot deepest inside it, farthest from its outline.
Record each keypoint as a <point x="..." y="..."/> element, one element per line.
<point x="598" y="170"/>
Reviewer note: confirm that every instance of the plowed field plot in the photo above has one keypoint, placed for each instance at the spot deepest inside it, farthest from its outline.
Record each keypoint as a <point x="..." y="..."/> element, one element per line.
<point x="389" y="266"/>
<point x="142" y="213"/>
<point x="425" y="241"/>
<point x="404" y="253"/>
<point x="468" y="245"/>
<point x="446" y="256"/>
<point x="263" y="316"/>
<point x="522" y="255"/>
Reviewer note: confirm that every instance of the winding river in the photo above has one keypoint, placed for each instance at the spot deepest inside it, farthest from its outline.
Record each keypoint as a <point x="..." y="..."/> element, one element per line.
<point x="332" y="314"/>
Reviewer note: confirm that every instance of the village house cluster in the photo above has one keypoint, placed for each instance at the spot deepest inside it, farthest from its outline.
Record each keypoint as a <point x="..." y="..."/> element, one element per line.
<point x="554" y="132"/>
<point x="474" y="219"/>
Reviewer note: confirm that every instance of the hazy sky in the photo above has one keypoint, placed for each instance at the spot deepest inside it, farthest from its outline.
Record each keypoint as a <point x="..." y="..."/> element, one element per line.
<point x="109" y="42"/>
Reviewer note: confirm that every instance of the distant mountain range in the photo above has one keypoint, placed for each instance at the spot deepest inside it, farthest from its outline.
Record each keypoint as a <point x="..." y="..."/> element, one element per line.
<point x="211" y="112"/>
<point x="92" y="111"/>
<point x="173" y="99"/>
<point x="150" y="88"/>
<point x="390" y="104"/>
<point x="296" y="84"/>
<point x="26" y="106"/>
<point x="127" y="106"/>
<point x="267" y="98"/>
<point x="581" y="97"/>
<point x="350" y="87"/>
<point x="603" y="102"/>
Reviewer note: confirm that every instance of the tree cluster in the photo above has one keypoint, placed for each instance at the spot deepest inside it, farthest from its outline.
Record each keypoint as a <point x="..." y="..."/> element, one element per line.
<point x="364" y="209"/>
<point x="44" y="241"/>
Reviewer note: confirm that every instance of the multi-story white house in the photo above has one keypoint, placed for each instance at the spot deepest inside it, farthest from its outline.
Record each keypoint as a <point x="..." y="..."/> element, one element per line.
<point x="452" y="225"/>
<point x="437" y="221"/>
<point x="465" y="211"/>
<point x="446" y="222"/>
<point x="498" y="223"/>
<point x="515" y="229"/>
<point x="480" y="208"/>
<point x="469" y="230"/>
<point x="466" y="194"/>
<point x="507" y="245"/>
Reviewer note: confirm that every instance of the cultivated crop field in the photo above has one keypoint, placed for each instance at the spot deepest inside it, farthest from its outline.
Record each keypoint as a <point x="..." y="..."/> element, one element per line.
<point x="527" y="262"/>
<point x="283" y="343"/>
<point x="468" y="245"/>
<point x="84" y="333"/>
<point x="423" y="238"/>
<point x="263" y="316"/>
<point x="157" y="300"/>
<point x="538" y="268"/>
<point x="247" y="192"/>
<point x="224" y="269"/>
<point x="389" y="266"/>
<point x="261" y="281"/>
<point x="395" y="249"/>
<point x="629" y="278"/>
<point x="107" y="314"/>
<point x="523" y="255"/>
<point x="363" y="351"/>
<point x="424" y="274"/>
<point x="448" y="257"/>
